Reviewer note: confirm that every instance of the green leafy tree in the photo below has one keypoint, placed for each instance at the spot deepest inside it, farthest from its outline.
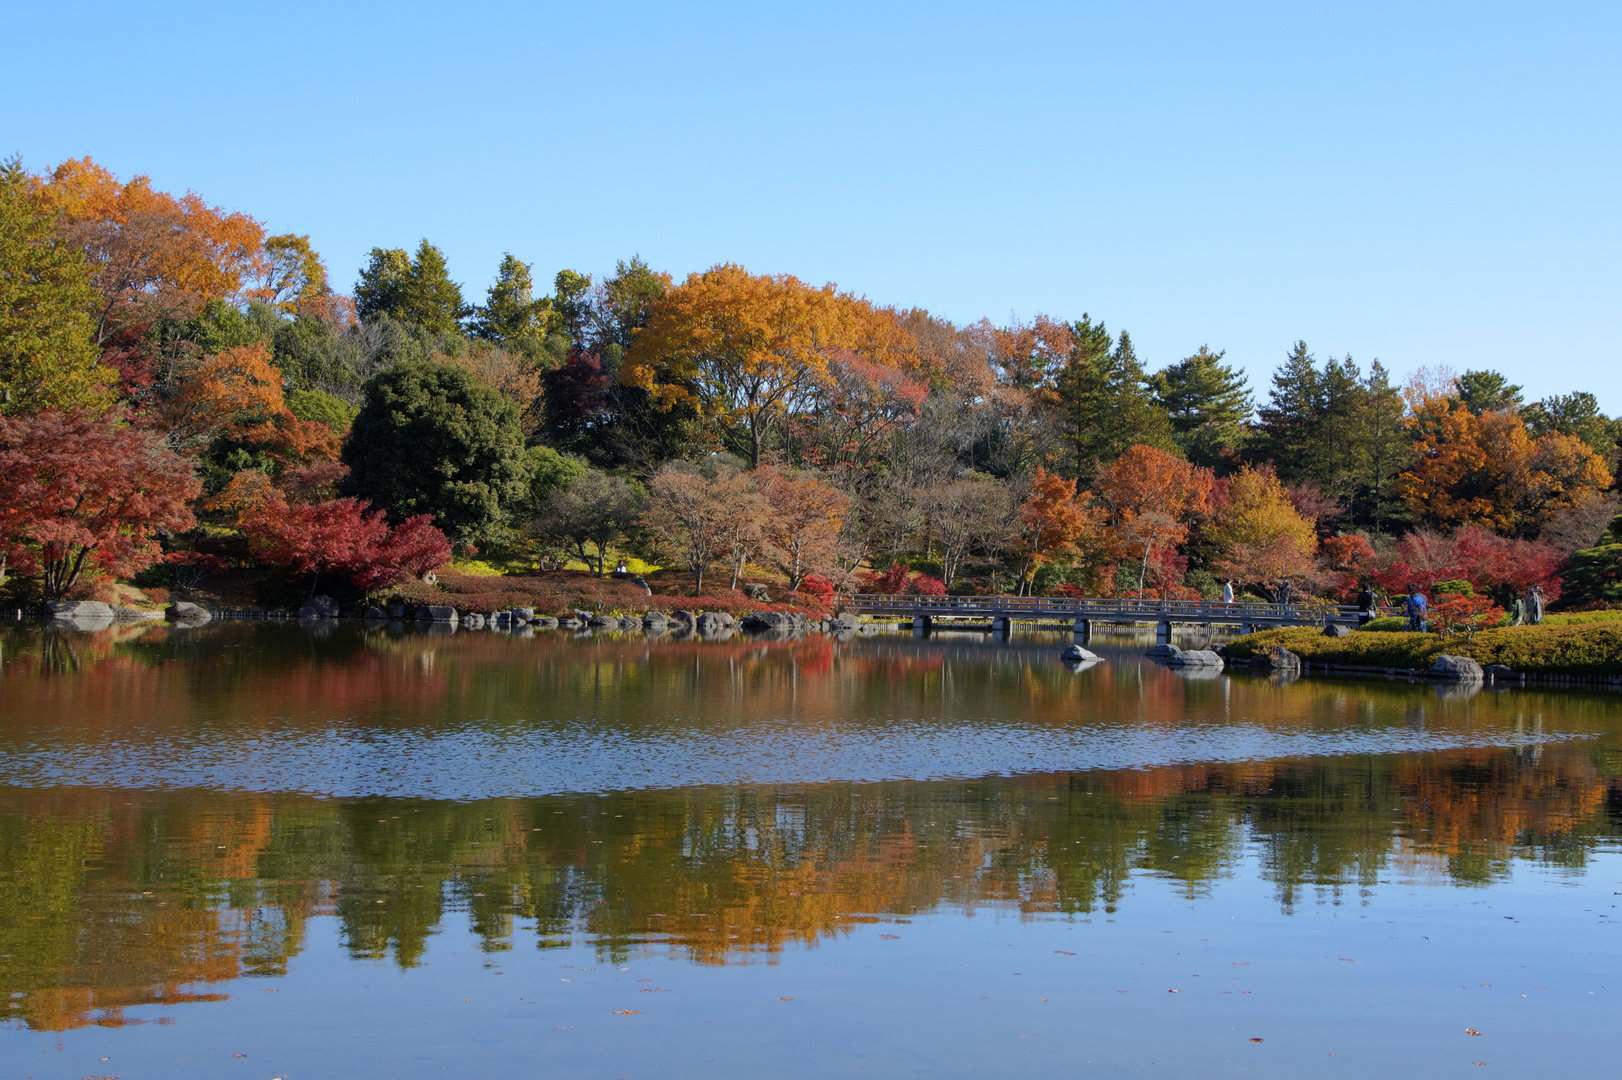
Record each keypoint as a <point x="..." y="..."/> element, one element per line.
<point x="511" y="313"/>
<point x="434" y="439"/>
<point x="1108" y="400"/>
<point x="1488" y="391"/>
<point x="571" y="307"/>
<point x="1208" y="403"/>
<point x="590" y="514"/>
<point x="1595" y="574"/>
<point x="48" y="355"/>
<point x="414" y="289"/>
<point x="550" y="471"/>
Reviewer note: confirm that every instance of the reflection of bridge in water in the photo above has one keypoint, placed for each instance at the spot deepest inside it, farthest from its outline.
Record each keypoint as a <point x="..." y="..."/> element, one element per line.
<point x="997" y="614"/>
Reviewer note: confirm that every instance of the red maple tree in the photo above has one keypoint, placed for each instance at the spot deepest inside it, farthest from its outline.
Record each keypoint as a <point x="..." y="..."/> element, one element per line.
<point x="81" y="492"/>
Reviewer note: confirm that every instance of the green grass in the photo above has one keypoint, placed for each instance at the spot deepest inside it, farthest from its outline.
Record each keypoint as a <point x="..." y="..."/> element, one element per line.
<point x="1593" y="647"/>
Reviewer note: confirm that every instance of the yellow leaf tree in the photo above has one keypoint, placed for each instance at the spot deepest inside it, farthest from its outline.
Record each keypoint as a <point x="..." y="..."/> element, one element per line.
<point x="1264" y="537"/>
<point x="747" y="350"/>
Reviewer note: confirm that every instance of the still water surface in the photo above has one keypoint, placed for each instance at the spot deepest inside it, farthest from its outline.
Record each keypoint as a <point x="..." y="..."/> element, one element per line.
<point x="254" y="851"/>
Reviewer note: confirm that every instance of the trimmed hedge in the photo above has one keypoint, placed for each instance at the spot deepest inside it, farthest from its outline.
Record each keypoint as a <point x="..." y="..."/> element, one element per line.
<point x="1593" y="648"/>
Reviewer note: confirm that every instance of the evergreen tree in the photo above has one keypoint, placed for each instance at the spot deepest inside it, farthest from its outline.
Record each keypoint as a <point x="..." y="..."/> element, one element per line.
<point x="510" y="312"/>
<point x="1574" y="414"/>
<point x="1288" y="427"/>
<point x="1208" y="404"/>
<point x="1382" y="449"/>
<point x="571" y="307"/>
<point x="1488" y="391"/>
<point x="382" y="285"/>
<point x="1108" y="401"/>
<point x="415" y="290"/>
<point x="48" y="356"/>
<point x="434" y="439"/>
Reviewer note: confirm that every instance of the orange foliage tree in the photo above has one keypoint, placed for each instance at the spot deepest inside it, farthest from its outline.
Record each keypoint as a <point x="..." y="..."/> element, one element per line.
<point x="1488" y="470"/>
<point x="237" y="394"/>
<point x="1153" y="497"/>
<point x="747" y="350"/>
<point x="154" y="255"/>
<point x="1049" y="523"/>
<point x="801" y="535"/>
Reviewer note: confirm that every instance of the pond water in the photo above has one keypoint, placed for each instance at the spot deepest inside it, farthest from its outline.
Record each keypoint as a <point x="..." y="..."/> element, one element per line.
<point x="253" y="850"/>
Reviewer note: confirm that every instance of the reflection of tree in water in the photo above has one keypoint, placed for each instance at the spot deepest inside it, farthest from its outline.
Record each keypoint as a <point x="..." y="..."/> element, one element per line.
<point x="115" y="899"/>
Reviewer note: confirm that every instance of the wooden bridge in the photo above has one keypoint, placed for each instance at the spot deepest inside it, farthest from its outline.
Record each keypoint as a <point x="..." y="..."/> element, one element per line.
<point x="998" y="613"/>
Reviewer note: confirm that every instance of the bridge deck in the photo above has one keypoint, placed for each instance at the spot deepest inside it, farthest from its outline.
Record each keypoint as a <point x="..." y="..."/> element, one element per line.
<point x="1055" y="609"/>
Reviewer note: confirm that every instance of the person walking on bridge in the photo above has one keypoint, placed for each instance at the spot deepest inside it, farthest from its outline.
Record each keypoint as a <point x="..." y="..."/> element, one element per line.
<point x="1227" y="592"/>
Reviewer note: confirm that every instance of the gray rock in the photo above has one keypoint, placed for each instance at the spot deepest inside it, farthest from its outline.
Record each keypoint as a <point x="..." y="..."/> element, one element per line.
<point x="523" y="614"/>
<point x="396" y="611"/>
<point x="1336" y="629"/>
<point x="471" y="621"/>
<point x="1075" y="654"/>
<point x="544" y="622"/>
<point x="631" y="622"/>
<point x="686" y="618"/>
<point x="1196" y="658"/>
<point x="437" y="613"/>
<point x="570" y="623"/>
<point x="79" y="609"/>
<point x="374" y="614"/>
<point x="655" y="617"/>
<point x="845" y="620"/>
<point x="188" y="613"/>
<point x="768" y="620"/>
<point x="603" y="622"/>
<point x="319" y="607"/>
<point x="1278" y="658"/>
<point x="1163" y="652"/>
<point x="129" y="614"/>
<point x="1501" y="671"/>
<point x="1460" y="668"/>
<point x="80" y="623"/>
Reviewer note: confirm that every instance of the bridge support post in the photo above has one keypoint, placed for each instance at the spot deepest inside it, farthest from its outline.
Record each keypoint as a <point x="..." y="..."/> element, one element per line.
<point x="922" y="625"/>
<point x="1246" y="628"/>
<point x="1002" y="626"/>
<point x="1163" y="632"/>
<point x="1083" y="630"/>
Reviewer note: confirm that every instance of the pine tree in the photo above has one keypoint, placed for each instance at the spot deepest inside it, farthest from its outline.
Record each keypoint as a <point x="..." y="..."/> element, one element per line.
<point x="382" y="285"/>
<point x="48" y="356"/>
<point x="1288" y="423"/>
<point x="1383" y="449"/>
<point x="511" y="313"/>
<point x="1108" y="401"/>
<point x="1208" y="404"/>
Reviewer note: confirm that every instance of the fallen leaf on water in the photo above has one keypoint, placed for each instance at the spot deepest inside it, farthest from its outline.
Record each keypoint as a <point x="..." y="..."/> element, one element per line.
<point x="1254" y="1039"/>
<point x="1478" y="1063"/>
<point x="239" y="1055"/>
<point x="1173" y="991"/>
<point x="270" y="991"/>
<point x="891" y="937"/>
<point x="1064" y="952"/>
<point x="627" y="1012"/>
<point x="785" y="999"/>
<point x="1241" y="963"/>
<point x="1471" y="1031"/>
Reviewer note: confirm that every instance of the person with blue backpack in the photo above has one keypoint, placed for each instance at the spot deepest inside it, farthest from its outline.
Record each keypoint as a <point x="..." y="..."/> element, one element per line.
<point x="1418" y="607"/>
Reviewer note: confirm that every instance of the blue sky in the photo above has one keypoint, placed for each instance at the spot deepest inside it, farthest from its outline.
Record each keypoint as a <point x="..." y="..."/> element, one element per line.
<point x="1419" y="183"/>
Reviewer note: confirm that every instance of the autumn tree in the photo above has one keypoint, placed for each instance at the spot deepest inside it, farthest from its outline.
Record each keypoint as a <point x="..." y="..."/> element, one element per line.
<point x="1153" y="497"/>
<point x="746" y="350"/>
<point x="801" y="529"/>
<point x="1264" y="538"/>
<point x="81" y="492"/>
<point x="432" y="438"/>
<point x="236" y="395"/>
<point x="48" y="356"/>
<point x="1487" y="470"/>
<point x="690" y="515"/>
<point x="854" y="416"/>
<point x="153" y="255"/>
<point x="1048" y="523"/>
<point x="341" y="535"/>
<point x="513" y="375"/>
<point x="966" y="515"/>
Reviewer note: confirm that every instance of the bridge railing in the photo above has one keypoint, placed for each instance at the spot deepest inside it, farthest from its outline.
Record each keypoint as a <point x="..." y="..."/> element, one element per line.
<point x="1126" y="608"/>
